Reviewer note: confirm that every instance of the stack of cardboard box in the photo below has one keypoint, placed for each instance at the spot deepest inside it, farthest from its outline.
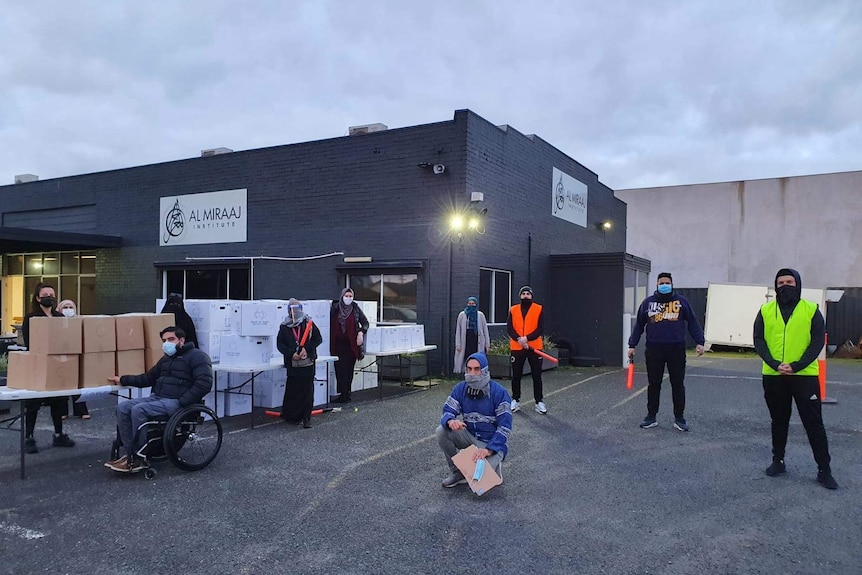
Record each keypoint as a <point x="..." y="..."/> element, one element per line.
<point x="84" y="351"/>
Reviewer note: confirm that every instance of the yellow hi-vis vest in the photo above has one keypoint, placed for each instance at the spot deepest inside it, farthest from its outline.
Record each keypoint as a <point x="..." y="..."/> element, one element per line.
<point x="788" y="341"/>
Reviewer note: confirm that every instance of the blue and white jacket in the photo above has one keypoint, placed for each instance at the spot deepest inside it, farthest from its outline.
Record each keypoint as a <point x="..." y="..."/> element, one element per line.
<point x="489" y="419"/>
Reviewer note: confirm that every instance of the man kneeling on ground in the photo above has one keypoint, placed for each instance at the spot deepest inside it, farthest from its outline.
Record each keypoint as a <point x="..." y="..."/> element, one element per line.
<point x="182" y="377"/>
<point x="486" y="419"/>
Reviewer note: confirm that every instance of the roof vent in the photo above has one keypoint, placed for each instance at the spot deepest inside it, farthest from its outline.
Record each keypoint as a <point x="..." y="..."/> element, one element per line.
<point x="215" y="152"/>
<point x="26" y="178"/>
<point x="366" y="129"/>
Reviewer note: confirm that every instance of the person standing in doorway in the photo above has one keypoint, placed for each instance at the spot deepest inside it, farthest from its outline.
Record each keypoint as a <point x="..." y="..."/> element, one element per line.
<point x="789" y="334"/>
<point x="79" y="408"/>
<point x="665" y="316"/>
<point x="471" y="334"/>
<point x="182" y="319"/>
<point x="525" y="328"/>
<point x="44" y="299"/>
<point x="348" y="326"/>
<point x="297" y="341"/>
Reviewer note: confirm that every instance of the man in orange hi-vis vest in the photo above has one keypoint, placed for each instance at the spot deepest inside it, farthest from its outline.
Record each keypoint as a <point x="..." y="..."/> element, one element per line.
<point x="525" y="336"/>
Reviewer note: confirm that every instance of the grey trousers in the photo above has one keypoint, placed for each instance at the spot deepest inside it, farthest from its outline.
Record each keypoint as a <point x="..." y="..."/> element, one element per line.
<point x="451" y="441"/>
<point x="133" y="413"/>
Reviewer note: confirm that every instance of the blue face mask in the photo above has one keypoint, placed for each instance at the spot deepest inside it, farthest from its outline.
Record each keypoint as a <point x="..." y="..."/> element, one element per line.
<point x="169" y="347"/>
<point x="665" y="289"/>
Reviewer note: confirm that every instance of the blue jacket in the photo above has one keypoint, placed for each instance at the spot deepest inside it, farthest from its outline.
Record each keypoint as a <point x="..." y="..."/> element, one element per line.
<point x="665" y="318"/>
<point x="488" y="419"/>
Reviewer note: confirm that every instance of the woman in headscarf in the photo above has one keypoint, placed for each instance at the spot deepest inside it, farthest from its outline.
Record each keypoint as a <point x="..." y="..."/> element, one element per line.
<point x="347" y="334"/>
<point x="79" y="408"/>
<point x="297" y="341"/>
<point x="471" y="334"/>
<point x="182" y="319"/>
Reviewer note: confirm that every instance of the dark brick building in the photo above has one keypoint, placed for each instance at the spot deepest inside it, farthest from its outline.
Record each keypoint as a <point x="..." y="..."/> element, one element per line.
<point x="376" y="195"/>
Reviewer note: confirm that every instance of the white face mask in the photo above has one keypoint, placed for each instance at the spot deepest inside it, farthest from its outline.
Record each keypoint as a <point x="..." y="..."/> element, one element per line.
<point x="347" y="300"/>
<point x="68" y="312"/>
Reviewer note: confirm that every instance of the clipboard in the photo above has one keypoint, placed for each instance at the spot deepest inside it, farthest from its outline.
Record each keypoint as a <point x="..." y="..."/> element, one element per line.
<point x="487" y="478"/>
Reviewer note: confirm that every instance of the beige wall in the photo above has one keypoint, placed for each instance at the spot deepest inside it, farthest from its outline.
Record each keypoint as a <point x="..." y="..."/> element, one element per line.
<point x="743" y="232"/>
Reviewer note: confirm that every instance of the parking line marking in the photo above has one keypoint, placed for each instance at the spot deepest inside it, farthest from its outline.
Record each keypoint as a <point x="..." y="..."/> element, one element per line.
<point x="21" y="532"/>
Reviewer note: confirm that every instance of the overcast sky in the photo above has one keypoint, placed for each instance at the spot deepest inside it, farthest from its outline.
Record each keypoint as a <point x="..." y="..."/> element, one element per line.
<point x="644" y="93"/>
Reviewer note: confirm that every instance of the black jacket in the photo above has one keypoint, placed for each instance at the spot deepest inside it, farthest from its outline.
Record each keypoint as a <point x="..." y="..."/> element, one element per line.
<point x="187" y="376"/>
<point x="287" y="343"/>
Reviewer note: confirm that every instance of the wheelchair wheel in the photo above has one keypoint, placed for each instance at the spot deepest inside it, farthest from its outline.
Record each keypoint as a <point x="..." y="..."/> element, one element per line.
<point x="150" y="473"/>
<point x="192" y="437"/>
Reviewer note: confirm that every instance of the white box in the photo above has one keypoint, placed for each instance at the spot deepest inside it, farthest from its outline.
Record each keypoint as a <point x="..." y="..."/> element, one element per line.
<point x="369" y="380"/>
<point x="209" y="315"/>
<point x="402" y="336"/>
<point x="236" y="404"/>
<point x="209" y="342"/>
<point x="221" y="380"/>
<point x="209" y="401"/>
<point x="269" y="394"/>
<point x="321" y="395"/>
<point x="369" y="308"/>
<point x="242" y="350"/>
<point x="374" y="340"/>
<point x="417" y="336"/>
<point x="389" y="338"/>
<point x="255" y="318"/>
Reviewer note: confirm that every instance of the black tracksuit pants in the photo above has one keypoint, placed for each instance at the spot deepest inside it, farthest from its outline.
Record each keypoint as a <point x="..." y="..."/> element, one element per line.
<point x="519" y="356"/>
<point x="780" y="391"/>
<point x="657" y="357"/>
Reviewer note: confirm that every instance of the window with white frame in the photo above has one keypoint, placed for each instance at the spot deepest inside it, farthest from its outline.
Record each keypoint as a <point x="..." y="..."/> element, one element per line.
<point x="495" y="292"/>
<point x="395" y="295"/>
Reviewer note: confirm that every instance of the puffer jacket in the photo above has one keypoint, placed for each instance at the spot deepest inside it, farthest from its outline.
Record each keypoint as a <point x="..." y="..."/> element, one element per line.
<point x="186" y="376"/>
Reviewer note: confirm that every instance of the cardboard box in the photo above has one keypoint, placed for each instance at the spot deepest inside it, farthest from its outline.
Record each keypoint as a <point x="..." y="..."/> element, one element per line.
<point x="56" y="335"/>
<point x="210" y="401"/>
<point x="255" y="318"/>
<point x="130" y="332"/>
<point x="96" y="368"/>
<point x="42" y="372"/>
<point x="239" y="350"/>
<point x="269" y="394"/>
<point x="488" y="479"/>
<point x="100" y="333"/>
<point x="417" y="336"/>
<point x="151" y="358"/>
<point x="153" y="324"/>
<point x="130" y="362"/>
<point x="236" y="404"/>
<point x="210" y="315"/>
<point x="209" y="342"/>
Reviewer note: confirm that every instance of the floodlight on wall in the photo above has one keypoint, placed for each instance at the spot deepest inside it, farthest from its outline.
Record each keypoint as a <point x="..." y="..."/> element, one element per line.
<point x="605" y="226"/>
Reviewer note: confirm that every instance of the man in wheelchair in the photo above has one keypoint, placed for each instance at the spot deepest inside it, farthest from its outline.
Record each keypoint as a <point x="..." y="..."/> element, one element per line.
<point x="182" y="377"/>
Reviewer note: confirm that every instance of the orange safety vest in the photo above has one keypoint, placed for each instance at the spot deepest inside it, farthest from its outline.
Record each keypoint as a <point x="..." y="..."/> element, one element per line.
<point x="524" y="325"/>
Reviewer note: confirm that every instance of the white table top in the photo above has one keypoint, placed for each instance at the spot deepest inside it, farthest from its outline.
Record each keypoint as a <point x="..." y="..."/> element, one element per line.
<point x="422" y="349"/>
<point x="275" y="363"/>
<point x="11" y="394"/>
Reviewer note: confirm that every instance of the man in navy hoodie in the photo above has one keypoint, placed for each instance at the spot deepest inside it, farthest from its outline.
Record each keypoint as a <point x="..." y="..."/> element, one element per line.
<point x="484" y="409"/>
<point x="665" y="315"/>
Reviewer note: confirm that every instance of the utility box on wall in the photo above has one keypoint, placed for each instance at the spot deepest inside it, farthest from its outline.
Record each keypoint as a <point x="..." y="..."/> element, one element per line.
<point x="587" y="301"/>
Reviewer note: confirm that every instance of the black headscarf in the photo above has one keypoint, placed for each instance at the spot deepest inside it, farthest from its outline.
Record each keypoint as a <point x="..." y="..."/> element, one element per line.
<point x="182" y="319"/>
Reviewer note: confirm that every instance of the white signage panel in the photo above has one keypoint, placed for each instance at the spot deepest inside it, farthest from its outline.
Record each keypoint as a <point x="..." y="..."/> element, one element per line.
<point x="568" y="198"/>
<point x="208" y="218"/>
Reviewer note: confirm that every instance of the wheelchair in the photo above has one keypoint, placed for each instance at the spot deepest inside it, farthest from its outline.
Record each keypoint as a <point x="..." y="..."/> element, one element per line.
<point x="189" y="438"/>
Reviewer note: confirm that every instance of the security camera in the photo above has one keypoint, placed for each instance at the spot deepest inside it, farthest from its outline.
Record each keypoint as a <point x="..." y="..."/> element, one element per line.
<point x="439" y="169"/>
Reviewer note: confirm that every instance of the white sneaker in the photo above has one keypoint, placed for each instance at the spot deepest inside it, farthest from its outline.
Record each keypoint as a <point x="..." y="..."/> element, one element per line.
<point x="540" y="408"/>
<point x="515" y="406"/>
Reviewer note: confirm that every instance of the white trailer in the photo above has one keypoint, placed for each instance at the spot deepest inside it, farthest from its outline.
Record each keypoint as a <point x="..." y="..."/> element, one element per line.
<point x="731" y="309"/>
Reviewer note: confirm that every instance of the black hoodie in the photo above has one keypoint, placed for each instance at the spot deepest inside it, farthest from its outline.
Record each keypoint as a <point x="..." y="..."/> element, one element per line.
<point x="818" y="328"/>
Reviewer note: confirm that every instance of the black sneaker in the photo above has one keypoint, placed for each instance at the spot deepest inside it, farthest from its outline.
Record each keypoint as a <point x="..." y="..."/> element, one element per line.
<point x="454" y="478"/>
<point x="648" y="422"/>
<point x="63" y="440"/>
<point x="30" y="446"/>
<point x="824" y="478"/>
<point x="680" y="424"/>
<point x="777" y="468"/>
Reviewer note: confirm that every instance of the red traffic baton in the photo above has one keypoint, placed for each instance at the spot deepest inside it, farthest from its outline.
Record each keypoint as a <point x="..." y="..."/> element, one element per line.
<point x="550" y="358"/>
<point x="630" y="377"/>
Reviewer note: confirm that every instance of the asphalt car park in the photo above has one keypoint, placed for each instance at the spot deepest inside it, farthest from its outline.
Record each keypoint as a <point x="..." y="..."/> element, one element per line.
<point x="585" y="490"/>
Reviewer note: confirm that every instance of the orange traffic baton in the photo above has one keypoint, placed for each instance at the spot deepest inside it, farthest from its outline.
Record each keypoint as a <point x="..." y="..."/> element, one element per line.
<point x="550" y="358"/>
<point x="821" y="364"/>
<point x="630" y="377"/>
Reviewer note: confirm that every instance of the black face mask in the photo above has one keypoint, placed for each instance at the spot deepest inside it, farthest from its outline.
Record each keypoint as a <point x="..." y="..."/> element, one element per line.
<point x="787" y="295"/>
<point x="47" y="302"/>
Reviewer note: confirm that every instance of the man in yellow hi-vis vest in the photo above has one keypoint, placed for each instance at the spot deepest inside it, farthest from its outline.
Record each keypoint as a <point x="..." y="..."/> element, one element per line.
<point x="788" y="336"/>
